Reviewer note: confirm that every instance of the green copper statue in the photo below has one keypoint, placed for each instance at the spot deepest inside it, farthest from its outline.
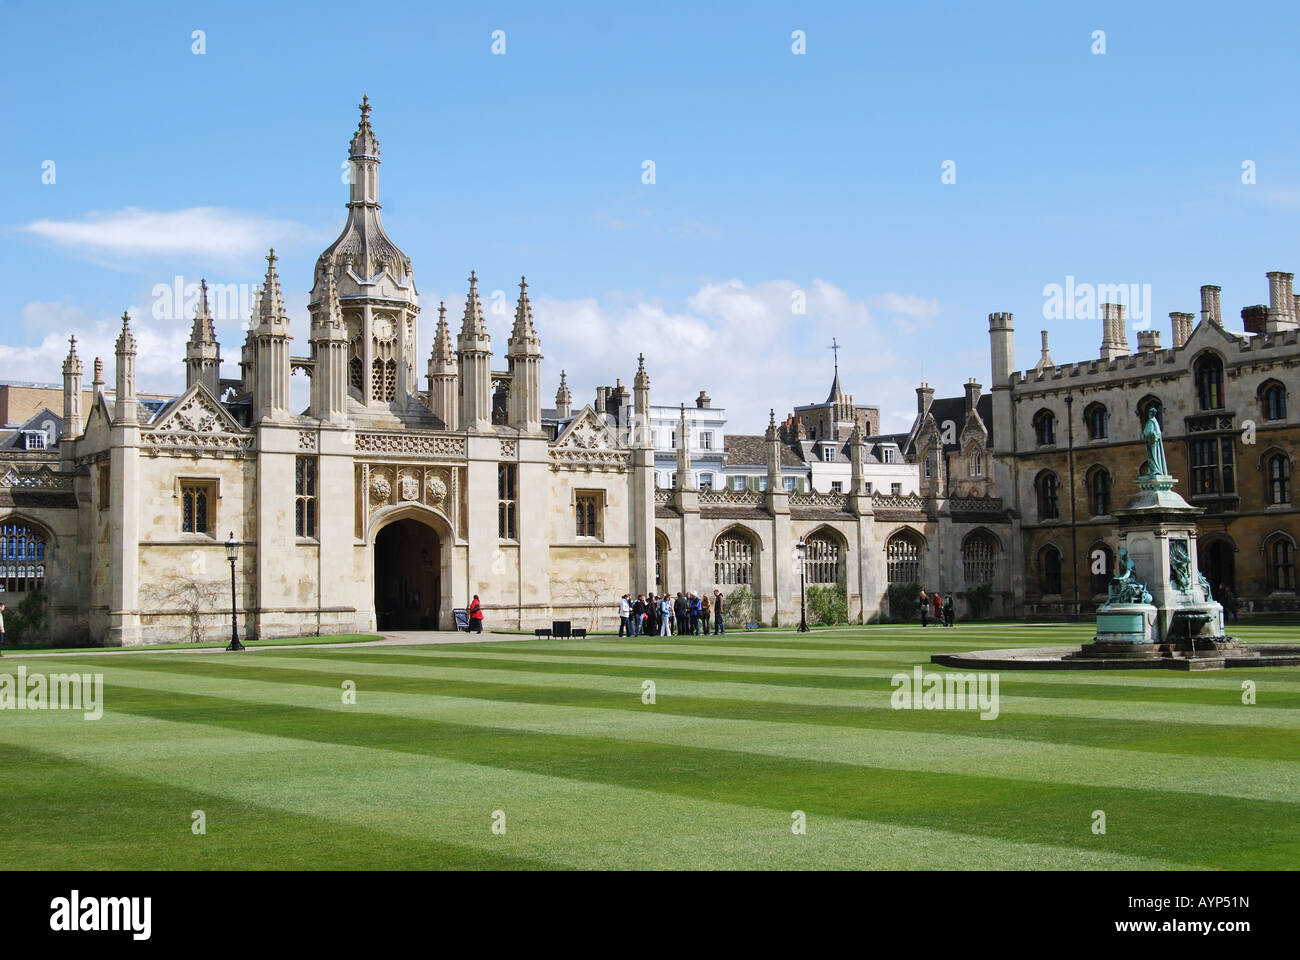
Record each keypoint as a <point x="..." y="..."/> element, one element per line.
<point x="1155" y="446"/>
<point x="1124" y="586"/>
<point x="1180" y="566"/>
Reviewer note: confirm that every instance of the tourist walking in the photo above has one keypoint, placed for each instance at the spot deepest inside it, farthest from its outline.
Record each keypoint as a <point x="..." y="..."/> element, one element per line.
<point x="719" y="628"/>
<point x="475" y="615"/>
<point x="625" y="615"/>
<point x="704" y="614"/>
<point x="924" y="605"/>
<point x="947" y="610"/>
<point x="665" y="616"/>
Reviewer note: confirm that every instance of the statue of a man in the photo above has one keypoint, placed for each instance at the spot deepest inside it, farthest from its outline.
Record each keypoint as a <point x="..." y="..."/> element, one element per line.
<point x="1155" y="446"/>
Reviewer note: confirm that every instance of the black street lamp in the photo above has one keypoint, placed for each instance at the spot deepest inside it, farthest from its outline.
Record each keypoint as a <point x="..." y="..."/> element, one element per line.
<point x="802" y="548"/>
<point x="232" y="554"/>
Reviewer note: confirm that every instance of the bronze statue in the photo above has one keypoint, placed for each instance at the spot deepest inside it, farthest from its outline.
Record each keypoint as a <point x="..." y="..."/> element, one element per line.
<point x="1155" y="446"/>
<point x="1124" y="587"/>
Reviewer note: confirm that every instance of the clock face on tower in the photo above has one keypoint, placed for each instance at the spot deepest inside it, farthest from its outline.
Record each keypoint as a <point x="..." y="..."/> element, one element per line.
<point x="384" y="329"/>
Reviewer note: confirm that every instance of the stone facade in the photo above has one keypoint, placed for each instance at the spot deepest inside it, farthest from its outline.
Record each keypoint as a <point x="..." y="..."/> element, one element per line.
<point x="1227" y="407"/>
<point x="388" y="503"/>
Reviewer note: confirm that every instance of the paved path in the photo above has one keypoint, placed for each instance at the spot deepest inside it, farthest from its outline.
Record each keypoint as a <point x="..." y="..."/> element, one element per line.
<point x="400" y="639"/>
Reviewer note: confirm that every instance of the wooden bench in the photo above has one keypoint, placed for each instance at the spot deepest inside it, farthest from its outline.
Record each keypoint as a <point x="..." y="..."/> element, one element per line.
<point x="541" y="633"/>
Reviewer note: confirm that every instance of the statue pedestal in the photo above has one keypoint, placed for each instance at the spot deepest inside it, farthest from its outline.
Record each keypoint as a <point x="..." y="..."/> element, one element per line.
<point x="1157" y="529"/>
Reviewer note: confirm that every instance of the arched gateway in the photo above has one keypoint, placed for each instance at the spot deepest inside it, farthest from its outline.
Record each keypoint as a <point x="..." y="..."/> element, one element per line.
<point x="411" y="583"/>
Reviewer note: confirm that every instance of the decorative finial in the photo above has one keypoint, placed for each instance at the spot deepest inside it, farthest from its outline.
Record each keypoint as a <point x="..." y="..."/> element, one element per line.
<point x="271" y="257"/>
<point x="473" y="277"/>
<point x="640" y="363"/>
<point x="442" y="309"/>
<point x="835" y="346"/>
<point x="364" y="107"/>
<point x="523" y="283"/>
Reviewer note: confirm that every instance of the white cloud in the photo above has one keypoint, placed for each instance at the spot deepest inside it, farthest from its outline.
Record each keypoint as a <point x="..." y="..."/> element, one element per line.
<point x="208" y="232"/>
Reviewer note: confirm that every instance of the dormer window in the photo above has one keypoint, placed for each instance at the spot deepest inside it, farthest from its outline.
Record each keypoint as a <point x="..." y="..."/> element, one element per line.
<point x="828" y="454"/>
<point x="887" y="454"/>
<point x="34" y="440"/>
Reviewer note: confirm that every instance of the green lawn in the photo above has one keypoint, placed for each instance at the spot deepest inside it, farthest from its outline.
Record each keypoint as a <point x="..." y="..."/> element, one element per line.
<point x="746" y="729"/>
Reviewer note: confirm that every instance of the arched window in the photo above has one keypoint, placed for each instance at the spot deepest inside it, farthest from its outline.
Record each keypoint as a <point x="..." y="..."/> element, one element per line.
<point x="903" y="556"/>
<point x="1277" y="468"/>
<point x="977" y="559"/>
<point x="1045" y="428"/>
<point x="1049" y="490"/>
<point x="1094" y="418"/>
<point x="1049" y="571"/>
<point x="821" y="559"/>
<point x="22" y="558"/>
<point x="661" y="563"/>
<point x="1100" y="564"/>
<point x="1272" y="396"/>
<point x="1099" y="491"/>
<point x="733" y="559"/>
<point x="1209" y="382"/>
<point x="1280" y="554"/>
<point x="1144" y="410"/>
<point x="975" y="464"/>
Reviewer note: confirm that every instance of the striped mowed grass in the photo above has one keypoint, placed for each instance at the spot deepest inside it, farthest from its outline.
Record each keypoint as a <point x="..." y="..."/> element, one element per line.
<point x="553" y="741"/>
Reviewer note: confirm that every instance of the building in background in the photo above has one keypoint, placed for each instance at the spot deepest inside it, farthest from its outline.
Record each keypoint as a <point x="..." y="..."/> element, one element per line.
<point x="1225" y="400"/>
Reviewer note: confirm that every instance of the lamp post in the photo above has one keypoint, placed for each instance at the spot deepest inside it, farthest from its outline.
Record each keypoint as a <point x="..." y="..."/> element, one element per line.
<point x="1074" y="535"/>
<point x="232" y="554"/>
<point x="802" y="549"/>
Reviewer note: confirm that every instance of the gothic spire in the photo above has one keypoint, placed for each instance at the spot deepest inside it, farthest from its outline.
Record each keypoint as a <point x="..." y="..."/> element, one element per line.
<point x="523" y="314"/>
<point x="72" y="365"/>
<point x="125" y="341"/>
<point x="364" y="142"/>
<point x="203" y="331"/>
<point x="442" y="348"/>
<point x="271" y="304"/>
<point x="473" y="325"/>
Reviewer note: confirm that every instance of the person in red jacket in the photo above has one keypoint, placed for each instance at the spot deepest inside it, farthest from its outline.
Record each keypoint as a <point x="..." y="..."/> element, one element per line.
<point x="936" y="607"/>
<point x="475" y="615"/>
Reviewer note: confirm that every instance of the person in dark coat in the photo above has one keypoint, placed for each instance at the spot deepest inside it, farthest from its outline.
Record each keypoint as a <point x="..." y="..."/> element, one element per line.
<point x="638" y="615"/>
<point x="948" y="610"/>
<point x="924" y="606"/>
<point x="682" y="611"/>
<point x="651" y="615"/>
<point x="718" y="626"/>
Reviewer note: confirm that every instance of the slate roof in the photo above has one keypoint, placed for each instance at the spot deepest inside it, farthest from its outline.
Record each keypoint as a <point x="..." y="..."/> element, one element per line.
<point x="751" y="448"/>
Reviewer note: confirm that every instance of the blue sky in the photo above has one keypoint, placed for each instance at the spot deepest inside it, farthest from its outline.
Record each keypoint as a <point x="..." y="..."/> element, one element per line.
<point x="774" y="173"/>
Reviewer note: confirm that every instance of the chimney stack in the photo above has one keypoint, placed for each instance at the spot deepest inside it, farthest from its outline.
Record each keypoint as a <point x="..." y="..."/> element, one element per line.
<point x="1148" y="341"/>
<point x="972" y="394"/>
<point x="1254" y="318"/>
<point x="1114" y="339"/>
<point x="1281" y="302"/>
<point x="1181" y="324"/>
<point x="924" y="397"/>
<point x="1210" y="306"/>
<point x="703" y="402"/>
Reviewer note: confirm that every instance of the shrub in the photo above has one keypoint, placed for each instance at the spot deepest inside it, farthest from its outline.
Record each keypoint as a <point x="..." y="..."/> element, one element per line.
<point x="902" y="601"/>
<point x="828" y="605"/>
<point x="980" y="601"/>
<point x="25" y="621"/>
<point x="739" y="608"/>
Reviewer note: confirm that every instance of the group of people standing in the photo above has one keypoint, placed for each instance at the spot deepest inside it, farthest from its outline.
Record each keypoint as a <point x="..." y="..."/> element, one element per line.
<point x="938" y="607"/>
<point x="666" y="616"/>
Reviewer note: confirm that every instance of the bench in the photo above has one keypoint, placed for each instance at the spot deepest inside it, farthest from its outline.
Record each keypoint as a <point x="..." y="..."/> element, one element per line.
<point x="541" y="633"/>
<point x="579" y="633"/>
<point x="751" y="627"/>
